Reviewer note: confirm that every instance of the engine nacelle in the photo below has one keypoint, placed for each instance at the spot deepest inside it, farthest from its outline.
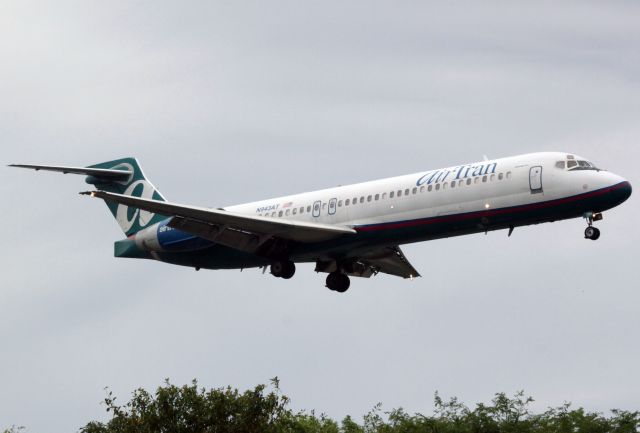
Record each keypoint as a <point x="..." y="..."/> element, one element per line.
<point x="160" y="237"/>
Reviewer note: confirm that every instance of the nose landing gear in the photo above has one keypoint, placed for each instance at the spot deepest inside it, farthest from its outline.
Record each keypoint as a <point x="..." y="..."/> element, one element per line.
<point x="592" y="232"/>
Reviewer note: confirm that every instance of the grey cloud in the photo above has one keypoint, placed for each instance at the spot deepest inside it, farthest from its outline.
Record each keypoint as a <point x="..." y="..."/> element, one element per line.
<point x="231" y="102"/>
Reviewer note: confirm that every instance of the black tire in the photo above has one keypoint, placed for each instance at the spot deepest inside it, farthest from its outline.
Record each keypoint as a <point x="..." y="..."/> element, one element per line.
<point x="276" y="269"/>
<point x="590" y="232"/>
<point x="345" y="282"/>
<point x="596" y="234"/>
<point x="338" y="282"/>
<point x="283" y="269"/>
<point x="332" y="281"/>
<point x="288" y="271"/>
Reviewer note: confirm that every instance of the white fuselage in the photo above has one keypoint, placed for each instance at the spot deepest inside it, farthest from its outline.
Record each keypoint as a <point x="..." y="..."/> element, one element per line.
<point x="477" y="187"/>
<point x="379" y="216"/>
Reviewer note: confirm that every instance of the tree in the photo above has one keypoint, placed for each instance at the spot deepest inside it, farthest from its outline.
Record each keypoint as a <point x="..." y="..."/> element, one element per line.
<point x="265" y="409"/>
<point x="192" y="409"/>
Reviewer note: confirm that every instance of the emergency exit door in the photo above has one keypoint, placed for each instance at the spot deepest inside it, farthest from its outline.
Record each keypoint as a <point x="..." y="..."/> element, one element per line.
<point x="535" y="179"/>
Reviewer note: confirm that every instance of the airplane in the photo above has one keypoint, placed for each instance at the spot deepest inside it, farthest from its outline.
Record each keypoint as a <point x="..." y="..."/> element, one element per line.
<point x="353" y="230"/>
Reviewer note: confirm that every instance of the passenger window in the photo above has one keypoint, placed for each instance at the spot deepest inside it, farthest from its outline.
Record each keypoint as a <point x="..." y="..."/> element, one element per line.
<point x="339" y="203"/>
<point x="508" y="175"/>
<point x="493" y="177"/>
<point x="324" y="206"/>
<point x="560" y="164"/>
<point x="500" y="176"/>
<point x="346" y="202"/>
<point x="437" y="186"/>
<point x="302" y="209"/>
<point x="384" y="195"/>
<point x="444" y="185"/>
<point x="453" y="184"/>
<point x="422" y="189"/>
<point x="414" y="190"/>
<point x="406" y="192"/>
<point x="295" y="210"/>
<point x="469" y="181"/>
<point x="377" y="197"/>
<point x="460" y="182"/>
<point x="476" y="180"/>
<point x="399" y="193"/>
<point x="273" y="214"/>
<point x="571" y="164"/>
<point x="430" y="188"/>
<point x="280" y="213"/>
<point x="287" y="212"/>
<point x="362" y="199"/>
<point x="369" y="198"/>
<point x="308" y="208"/>
<point x="484" y="178"/>
<point x="391" y="194"/>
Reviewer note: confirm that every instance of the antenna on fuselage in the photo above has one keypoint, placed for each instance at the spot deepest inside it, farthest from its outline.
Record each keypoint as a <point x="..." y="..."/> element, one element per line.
<point x="484" y="158"/>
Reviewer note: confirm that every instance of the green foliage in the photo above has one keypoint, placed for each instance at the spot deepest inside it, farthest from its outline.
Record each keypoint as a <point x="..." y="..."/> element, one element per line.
<point x="189" y="409"/>
<point x="264" y="409"/>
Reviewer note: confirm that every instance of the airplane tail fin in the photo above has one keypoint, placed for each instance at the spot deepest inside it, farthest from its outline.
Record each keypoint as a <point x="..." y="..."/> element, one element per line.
<point x="130" y="219"/>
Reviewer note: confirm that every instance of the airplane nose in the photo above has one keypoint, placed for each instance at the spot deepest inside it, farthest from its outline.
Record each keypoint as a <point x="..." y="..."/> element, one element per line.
<point x="622" y="191"/>
<point x="626" y="190"/>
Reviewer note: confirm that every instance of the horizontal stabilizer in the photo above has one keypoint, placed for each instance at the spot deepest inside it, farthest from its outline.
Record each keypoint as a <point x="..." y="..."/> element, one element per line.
<point x="96" y="172"/>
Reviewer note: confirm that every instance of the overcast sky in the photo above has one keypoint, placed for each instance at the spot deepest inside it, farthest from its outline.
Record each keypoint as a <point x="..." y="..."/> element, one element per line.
<point x="229" y="102"/>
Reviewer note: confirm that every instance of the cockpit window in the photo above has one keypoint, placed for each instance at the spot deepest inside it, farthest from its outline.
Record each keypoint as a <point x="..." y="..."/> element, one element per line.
<point x="575" y="164"/>
<point x="585" y="165"/>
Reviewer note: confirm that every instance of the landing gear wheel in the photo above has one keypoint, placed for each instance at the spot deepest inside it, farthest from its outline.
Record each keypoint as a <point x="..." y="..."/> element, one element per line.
<point x="283" y="269"/>
<point x="591" y="233"/>
<point x="338" y="282"/>
<point x="288" y="271"/>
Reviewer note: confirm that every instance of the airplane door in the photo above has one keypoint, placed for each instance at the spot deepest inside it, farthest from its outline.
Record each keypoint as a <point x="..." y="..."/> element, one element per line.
<point x="535" y="179"/>
<point x="316" y="209"/>
<point x="332" y="206"/>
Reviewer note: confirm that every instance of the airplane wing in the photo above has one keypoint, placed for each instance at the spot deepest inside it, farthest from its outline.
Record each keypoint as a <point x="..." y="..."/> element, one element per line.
<point x="240" y="231"/>
<point x="97" y="172"/>
<point x="390" y="260"/>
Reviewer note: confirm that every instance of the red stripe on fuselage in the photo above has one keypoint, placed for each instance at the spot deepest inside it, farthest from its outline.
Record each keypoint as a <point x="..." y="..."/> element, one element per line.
<point x="488" y="213"/>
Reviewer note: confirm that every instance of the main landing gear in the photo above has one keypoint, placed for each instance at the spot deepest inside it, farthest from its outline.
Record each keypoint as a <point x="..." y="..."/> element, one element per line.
<point x="283" y="269"/>
<point x="592" y="232"/>
<point x="337" y="281"/>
